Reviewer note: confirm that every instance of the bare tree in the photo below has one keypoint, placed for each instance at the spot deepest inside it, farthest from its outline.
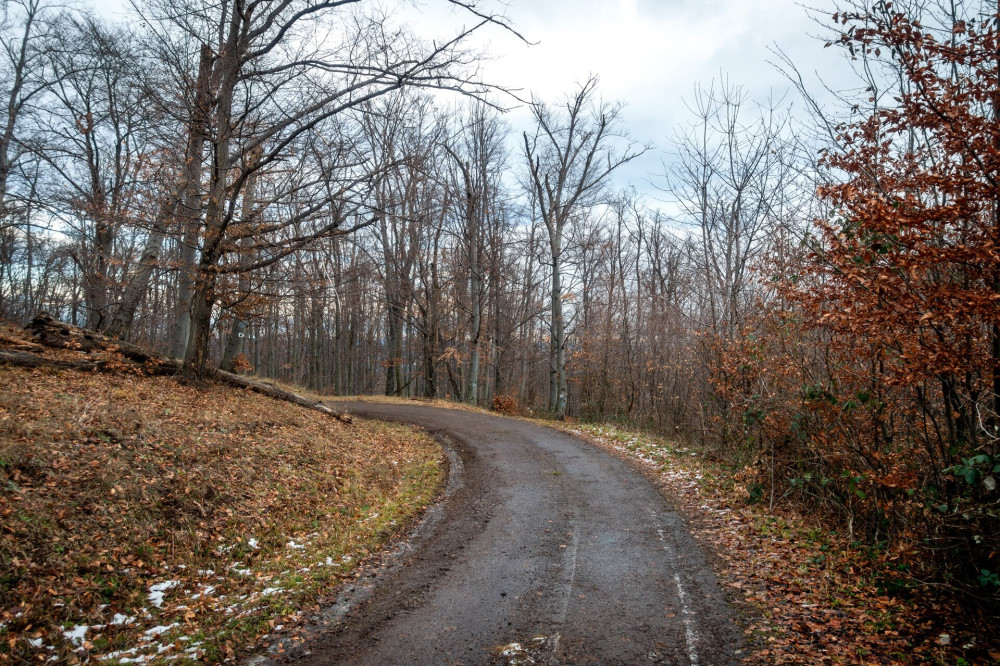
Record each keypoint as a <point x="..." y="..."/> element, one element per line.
<point x="270" y="63"/>
<point x="570" y="158"/>
<point x="733" y="181"/>
<point x="95" y="138"/>
<point x="26" y="37"/>
<point x="478" y="155"/>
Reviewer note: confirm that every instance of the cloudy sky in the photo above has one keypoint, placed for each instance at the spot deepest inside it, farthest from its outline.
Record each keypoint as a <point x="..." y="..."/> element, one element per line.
<point x="649" y="54"/>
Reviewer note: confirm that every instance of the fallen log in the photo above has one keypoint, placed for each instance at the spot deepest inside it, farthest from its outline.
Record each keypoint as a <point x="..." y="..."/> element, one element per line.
<point x="32" y="360"/>
<point x="281" y="394"/>
<point x="48" y="331"/>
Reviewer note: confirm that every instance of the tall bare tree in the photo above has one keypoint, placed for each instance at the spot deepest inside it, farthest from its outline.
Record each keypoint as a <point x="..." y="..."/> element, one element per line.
<point x="570" y="158"/>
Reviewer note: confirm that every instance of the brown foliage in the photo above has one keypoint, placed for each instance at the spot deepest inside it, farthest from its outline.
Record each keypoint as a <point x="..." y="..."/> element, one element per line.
<point x="870" y="385"/>
<point x="506" y="404"/>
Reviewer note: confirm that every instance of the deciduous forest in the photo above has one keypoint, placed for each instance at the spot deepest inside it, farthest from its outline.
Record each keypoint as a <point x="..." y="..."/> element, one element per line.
<point x="307" y="192"/>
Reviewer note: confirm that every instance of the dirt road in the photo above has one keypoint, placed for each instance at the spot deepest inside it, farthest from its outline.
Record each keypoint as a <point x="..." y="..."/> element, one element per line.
<point x="547" y="550"/>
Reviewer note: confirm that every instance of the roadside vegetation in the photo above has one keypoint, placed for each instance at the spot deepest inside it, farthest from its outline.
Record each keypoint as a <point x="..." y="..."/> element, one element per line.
<point x="141" y="518"/>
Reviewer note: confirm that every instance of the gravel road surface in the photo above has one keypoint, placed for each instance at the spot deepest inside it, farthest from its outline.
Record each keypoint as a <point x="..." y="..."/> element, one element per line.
<point x="546" y="550"/>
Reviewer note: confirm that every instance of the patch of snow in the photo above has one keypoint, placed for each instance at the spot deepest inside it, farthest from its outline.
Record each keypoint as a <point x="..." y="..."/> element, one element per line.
<point x="156" y="591"/>
<point x="162" y="629"/>
<point x="76" y="634"/>
<point x="270" y="590"/>
<point x="206" y="590"/>
<point x="511" y="650"/>
<point x="35" y="642"/>
<point x="206" y="572"/>
<point x="295" y="546"/>
<point x="120" y="620"/>
<point x="253" y="543"/>
<point x="115" y="655"/>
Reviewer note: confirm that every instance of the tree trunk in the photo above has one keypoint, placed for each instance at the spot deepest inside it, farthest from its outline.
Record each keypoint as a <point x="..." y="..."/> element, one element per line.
<point x="394" y="369"/>
<point x="216" y="222"/>
<point x="237" y="335"/>
<point x="121" y="322"/>
<point x="475" y="296"/>
<point x="190" y="203"/>
<point x="557" y="372"/>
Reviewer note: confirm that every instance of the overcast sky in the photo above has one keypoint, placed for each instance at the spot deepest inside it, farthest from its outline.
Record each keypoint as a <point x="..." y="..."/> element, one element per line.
<point x="649" y="54"/>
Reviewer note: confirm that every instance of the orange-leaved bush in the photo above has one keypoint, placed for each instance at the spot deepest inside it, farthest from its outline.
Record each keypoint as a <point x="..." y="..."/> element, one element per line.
<point x="872" y="380"/>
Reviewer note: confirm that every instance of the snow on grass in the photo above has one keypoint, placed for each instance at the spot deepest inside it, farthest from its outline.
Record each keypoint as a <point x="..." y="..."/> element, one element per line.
<point x="206" y="591"/>
<point x="157" y="591"/>
<point x="162" y="629"/>
<point x="76" y="635"/>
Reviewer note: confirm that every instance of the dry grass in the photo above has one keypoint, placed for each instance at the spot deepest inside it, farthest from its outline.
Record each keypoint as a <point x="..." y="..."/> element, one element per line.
<point x="240" y="510"/>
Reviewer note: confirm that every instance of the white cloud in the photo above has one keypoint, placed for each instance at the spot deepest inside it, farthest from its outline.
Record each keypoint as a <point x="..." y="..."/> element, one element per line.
<point x="648" y="53"/>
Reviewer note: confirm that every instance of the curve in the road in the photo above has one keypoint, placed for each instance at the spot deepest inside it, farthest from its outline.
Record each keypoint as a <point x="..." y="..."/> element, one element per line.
<point x="550" y="551"/>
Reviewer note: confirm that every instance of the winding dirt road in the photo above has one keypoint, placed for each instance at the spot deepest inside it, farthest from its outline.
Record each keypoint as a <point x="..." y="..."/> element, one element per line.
<point x="546" y="550"/>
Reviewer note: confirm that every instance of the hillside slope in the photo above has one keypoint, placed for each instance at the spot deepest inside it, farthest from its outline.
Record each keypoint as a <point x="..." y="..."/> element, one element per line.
<point x="144" y="517"/>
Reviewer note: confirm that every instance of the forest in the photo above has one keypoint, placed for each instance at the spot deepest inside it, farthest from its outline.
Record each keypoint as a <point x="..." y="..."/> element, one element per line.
<point x="306" y="191"/>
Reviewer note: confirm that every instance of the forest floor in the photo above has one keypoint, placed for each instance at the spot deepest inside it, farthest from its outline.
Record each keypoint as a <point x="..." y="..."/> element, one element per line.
<point x="144" y="519"/>
<point x="806" y="593"/>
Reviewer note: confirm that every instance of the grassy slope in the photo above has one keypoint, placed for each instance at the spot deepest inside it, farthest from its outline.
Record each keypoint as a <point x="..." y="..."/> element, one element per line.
<point x="241" y="510"/>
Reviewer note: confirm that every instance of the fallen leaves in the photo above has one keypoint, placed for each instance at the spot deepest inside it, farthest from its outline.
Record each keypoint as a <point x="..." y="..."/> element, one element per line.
<point x="144" y="518"/>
